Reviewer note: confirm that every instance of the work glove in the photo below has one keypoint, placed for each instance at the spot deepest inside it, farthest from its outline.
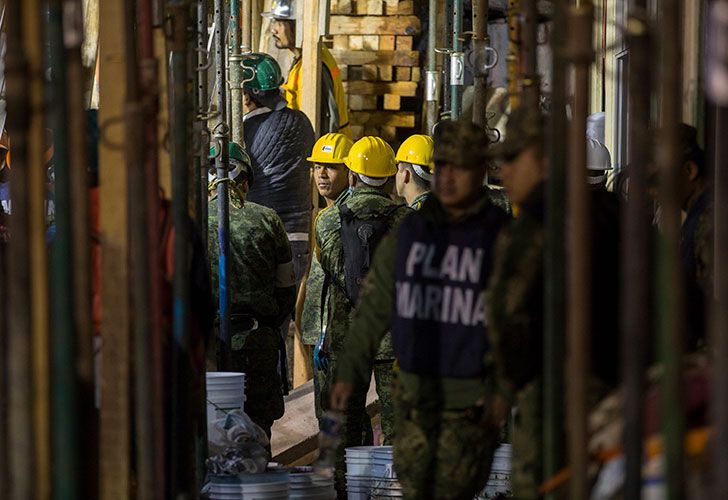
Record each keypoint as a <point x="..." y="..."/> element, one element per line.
<point x="320" y="356"/>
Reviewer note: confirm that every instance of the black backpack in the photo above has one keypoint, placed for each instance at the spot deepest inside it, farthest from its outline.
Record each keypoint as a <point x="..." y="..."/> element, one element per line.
<point x="360" y="236"/>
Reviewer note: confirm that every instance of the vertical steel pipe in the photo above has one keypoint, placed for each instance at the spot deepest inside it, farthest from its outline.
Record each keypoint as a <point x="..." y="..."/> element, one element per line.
<point x="81" y="245"/>
<point x="148" y="78"/>
<point x="203" y="108"/>
<point x="457" y="61"/>
<point x="717" y="22"/>
<point x="181" y="455"/>
<point x="513" y="58"/>
<point x="64" y="343"/>
<point x="671" y="303"/>
<point x="236" y="74"/>
<point x="529" y="79"/>
<point x="447" y="26"/>
<point x="21" y="483"/>
<point x="432" y="77"/>
<point x="140" y="265"/>
<point x="480" y="42"/>
<point x="635" y="251"/>
<point x="222" y="165"/>
<point x="247" y="26"/>
<point x="555" y="260"/>
<point x="578" y="324"/>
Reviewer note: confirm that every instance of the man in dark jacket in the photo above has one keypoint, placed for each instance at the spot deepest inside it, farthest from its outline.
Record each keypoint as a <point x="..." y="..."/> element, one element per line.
<point x="278" y="140"/>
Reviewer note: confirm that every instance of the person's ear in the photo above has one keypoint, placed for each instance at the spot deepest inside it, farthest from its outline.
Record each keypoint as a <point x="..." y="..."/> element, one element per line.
<point x="407" y="176"/>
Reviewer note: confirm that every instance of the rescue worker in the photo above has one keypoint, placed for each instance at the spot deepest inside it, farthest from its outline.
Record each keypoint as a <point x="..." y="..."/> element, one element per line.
<point x="414" y="170"/>
<point x="346" y="237"/>
<point x="427" y="282"/>
<point x="278" y="140"/>
<point x="332" y="181"/>
<point x="696" y="235"/>
<point x="334" y="115"/>
<point x="262" y="289"/>
<point x="515" y="299"/>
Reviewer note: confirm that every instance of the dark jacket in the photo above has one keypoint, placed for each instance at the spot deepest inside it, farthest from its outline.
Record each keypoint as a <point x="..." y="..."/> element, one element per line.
<point x="279" y="143"/>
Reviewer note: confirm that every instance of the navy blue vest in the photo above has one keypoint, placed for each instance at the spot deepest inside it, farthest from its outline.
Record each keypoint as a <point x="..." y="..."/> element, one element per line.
<point x="441" y="273"/>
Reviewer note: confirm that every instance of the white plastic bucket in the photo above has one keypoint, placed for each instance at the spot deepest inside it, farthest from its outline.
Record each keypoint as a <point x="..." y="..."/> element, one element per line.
<point x="225" y="393"/>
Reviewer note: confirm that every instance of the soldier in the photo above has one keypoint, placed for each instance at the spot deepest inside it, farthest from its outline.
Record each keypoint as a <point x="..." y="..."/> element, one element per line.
<point x="262" y="290"/>
<point x="332" y="181"/>
<point x="427" y="282"/>
<point x="334" y="116"/>
<point x="414" y="170"/>
<point x="515" y="299"/>
<point x="346" y="238"/>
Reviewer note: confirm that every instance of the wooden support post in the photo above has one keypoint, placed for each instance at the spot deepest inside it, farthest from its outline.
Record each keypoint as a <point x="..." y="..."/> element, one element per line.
<point x="115" y="411"/>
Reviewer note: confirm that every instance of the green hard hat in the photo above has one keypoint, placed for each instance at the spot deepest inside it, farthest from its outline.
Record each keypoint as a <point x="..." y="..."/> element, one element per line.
<point x="240" y="156"/>
<point x="261" y="72"/>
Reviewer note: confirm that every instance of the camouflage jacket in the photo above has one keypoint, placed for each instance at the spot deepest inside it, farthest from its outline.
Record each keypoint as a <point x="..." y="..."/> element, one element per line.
<point x="261" y="280"/>
<point x="373" y="317"/>
<point x="331" y="254"/>
<point x="515" y="299"/>
<point x="419" y="200"/>
<point x="311" y="316"/>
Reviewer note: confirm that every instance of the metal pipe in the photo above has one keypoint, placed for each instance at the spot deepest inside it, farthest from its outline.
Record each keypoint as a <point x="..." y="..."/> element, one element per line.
<point x="64" y="343"/>
<point x="512" y="60"/>
<point x="457" y="61"/>
<point x="256" y="25"/>
<point x="222" y="165"/>
<point x="579" y="52"/>
<point x="669" y="280"/>
<point x="480" y="44"/>
<point x="81" y="244"/>
<point x="140" y="257"/>
<point x="149" y="86"/>
<point x="555" y="260"/>
<point x="446" y="98"/>
<point x="203" y="107"/>
<point x="247" y="27"/>
<point x="20" y="476"/>
<point x="236" y="74"/>
<point x="529" y="79"/>
<point x="717" y="22"/>
<point x="635" y="253"/>
<point x="432" y="80"/>
<point x="181" y="454"/>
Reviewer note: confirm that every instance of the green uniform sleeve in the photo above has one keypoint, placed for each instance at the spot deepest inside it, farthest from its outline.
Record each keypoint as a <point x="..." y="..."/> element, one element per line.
<point x="285" y="289"/>
<point x="372" y="316"/>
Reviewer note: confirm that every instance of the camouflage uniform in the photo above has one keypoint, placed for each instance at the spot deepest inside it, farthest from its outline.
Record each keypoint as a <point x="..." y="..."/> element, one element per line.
<point x="331" y="254"/>
<point x="419" y="200"/>
<point x="311" y="322"/>
<point x="442" y="445"/>
<point x="515" y="320"/>
<point x="262" y="286"/>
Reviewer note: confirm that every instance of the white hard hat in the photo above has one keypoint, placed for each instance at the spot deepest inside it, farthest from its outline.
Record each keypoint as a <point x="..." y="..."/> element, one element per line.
<point x="281" y="9"/>
<point x="597" y="156"/>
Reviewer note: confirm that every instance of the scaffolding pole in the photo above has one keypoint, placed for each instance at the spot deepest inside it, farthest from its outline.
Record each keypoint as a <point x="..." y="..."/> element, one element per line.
<point x="222" y="165"/>
<point x="578" y="325"/>
<point x="635" y="251"/>
<point x="671" y="317"/>
<point x="480" y="48"/>
<point x="236" y="74"/>
<point x="20" y="477"/>
<point x="457" y="62"/>
<point x="203" y="111"/>
<point x="432" y="76"/>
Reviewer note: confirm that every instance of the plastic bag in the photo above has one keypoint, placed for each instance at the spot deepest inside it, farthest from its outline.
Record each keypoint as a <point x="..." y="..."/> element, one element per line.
<point x="236" y="445"/>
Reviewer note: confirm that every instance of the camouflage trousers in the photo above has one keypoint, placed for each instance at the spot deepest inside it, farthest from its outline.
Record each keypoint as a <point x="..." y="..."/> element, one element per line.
<point x="526" y="475"/>
<point x="357" y="426"/>
<point x="384" y="378"/>
<point x="256" y="354"/>
<point x="441" y="454"/>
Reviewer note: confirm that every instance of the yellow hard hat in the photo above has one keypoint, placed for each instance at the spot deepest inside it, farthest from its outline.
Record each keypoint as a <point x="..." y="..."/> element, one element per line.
<point x="418" y="150"/>
<point x="372" y="157"/>
<point x="331" y="148"/>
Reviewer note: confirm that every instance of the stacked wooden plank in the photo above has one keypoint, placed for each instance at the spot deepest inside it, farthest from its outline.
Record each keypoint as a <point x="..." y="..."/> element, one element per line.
<point x="372" y="42"/>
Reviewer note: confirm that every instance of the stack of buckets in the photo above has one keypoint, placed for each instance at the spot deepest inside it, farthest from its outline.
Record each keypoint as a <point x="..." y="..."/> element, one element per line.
<point x="225" y="393"/>
<point x="370" y="473"/>
<point x="306" y="485"/>
<point x="269" y="486"/>
<point x="500" y="473"/>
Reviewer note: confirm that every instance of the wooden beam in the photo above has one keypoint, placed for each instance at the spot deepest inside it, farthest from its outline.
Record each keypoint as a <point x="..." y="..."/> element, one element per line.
<point x="383" y="118"/>
<point x="311" y="60"/>
<point x="406" y="89"/>
<point x="378" y="57"/>
<point x="375" y="25"/>
<point x="115" y="411"/>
